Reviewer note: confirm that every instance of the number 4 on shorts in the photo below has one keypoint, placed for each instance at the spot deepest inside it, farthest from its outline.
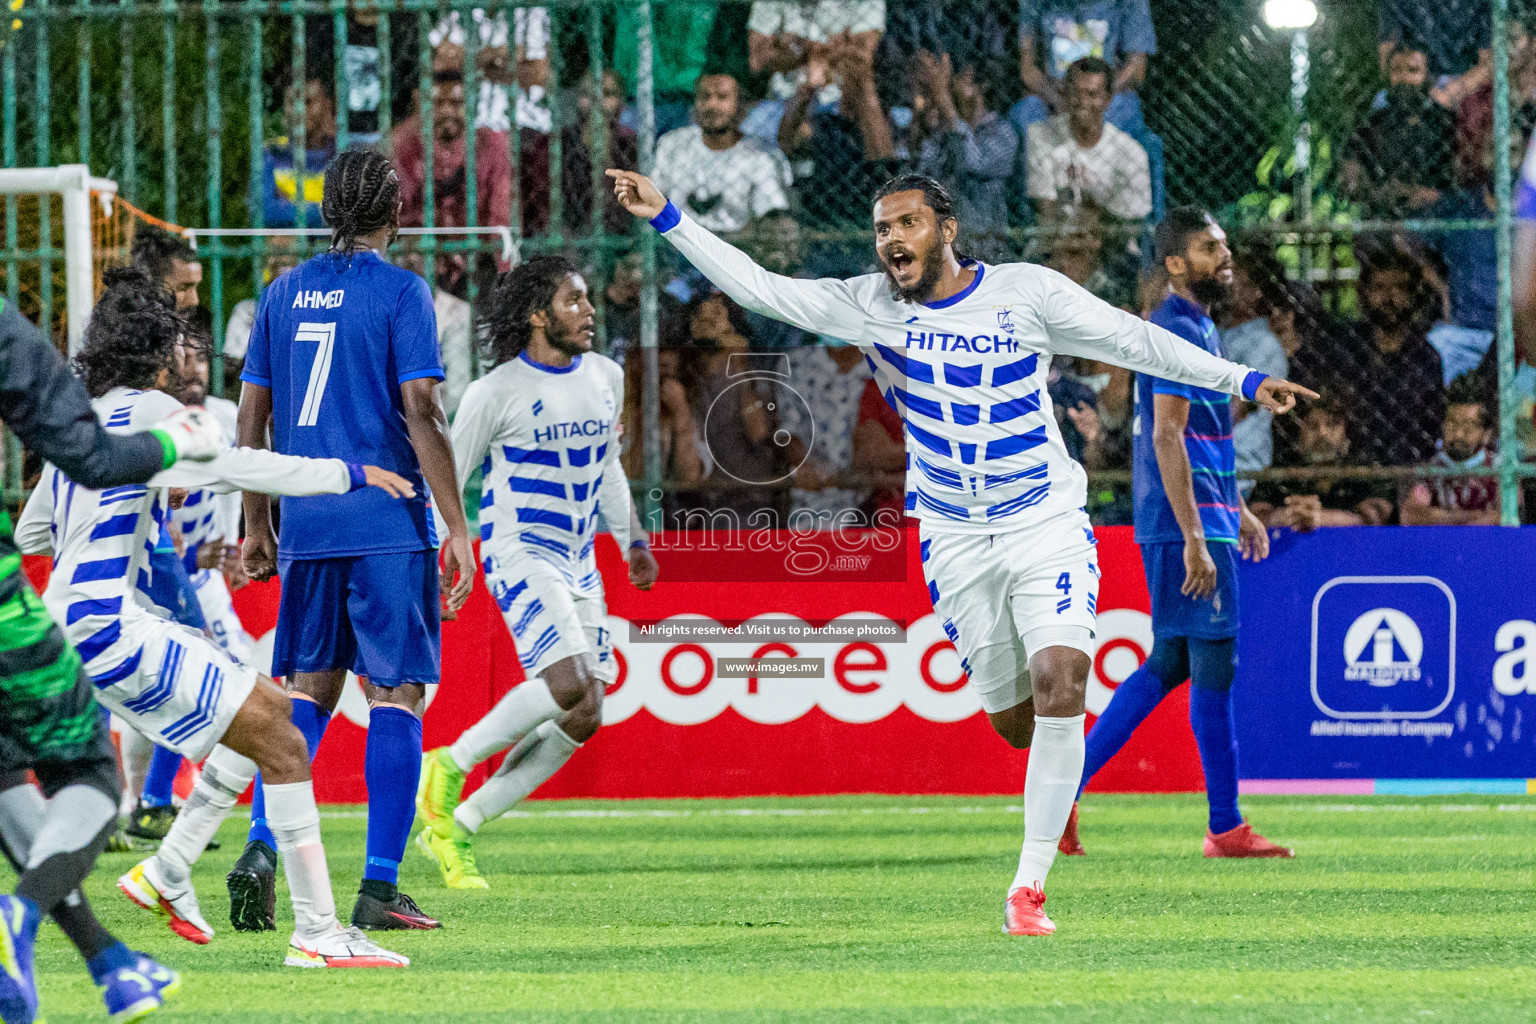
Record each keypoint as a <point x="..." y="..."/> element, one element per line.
<point x="1064" y="584"/>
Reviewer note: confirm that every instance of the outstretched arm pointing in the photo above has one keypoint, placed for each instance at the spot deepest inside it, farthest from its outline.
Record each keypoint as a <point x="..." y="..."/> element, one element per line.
<point x="823" y="307"/>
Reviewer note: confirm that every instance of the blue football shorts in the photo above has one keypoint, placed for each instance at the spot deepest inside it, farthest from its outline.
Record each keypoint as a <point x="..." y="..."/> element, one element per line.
<point x="377" y="615"/>
<point x="1174" y="614"/>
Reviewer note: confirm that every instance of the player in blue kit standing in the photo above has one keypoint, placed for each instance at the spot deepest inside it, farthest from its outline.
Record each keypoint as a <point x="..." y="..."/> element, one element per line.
<point x="1191" y="524"/>
<point x="344" y="362"/>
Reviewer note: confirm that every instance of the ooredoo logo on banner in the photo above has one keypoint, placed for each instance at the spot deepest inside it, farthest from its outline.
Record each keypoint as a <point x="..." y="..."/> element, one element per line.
<point x="854" y="681"/>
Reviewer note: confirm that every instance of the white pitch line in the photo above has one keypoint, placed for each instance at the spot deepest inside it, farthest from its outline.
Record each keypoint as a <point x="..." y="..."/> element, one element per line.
<point x="1010" y="809"/>
<point x="736" y="812"/>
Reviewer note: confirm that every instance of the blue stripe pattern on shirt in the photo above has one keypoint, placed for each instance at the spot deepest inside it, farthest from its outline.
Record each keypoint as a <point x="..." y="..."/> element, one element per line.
<point x="537" y="541"/>
<point x="544" y="517"/>
<point x="1039" y="472"/>
<point x="116" y="526"/>
<point x="1002" y="412"/>
<point x="1007" y="373"/>
<point x="125" y="493"/>
<point x="78" y="610"/>
<point x="100" y="569"/>
<point x="530" y="485"/>
<point x="92" y="646"/>
<point x="1006" y="446"/>
<point x="912" y="369"/>
<point x="1033" y="496"/>
<point x="963" y="376"/>
<point x="536" y="456"/>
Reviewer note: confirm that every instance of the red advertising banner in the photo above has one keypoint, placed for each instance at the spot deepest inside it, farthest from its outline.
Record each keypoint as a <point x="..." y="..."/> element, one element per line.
<point x="887" y="717"/>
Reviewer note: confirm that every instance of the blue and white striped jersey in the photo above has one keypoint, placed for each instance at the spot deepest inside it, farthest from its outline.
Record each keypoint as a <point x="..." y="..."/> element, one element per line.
<point x="545" y="441"/>
<point x="207" y="515"/>
<point x="968" y="374"/>
<point x="101" y="540"/>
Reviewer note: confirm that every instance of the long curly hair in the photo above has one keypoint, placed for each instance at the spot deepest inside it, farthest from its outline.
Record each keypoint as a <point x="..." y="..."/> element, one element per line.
<point x="132" y="334"/>
<point x="361" y="194"/>
<point x="518" y="294"/>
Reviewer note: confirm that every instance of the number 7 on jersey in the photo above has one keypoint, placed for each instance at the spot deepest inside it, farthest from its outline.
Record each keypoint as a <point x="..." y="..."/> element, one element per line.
<point x="319" y="370"/>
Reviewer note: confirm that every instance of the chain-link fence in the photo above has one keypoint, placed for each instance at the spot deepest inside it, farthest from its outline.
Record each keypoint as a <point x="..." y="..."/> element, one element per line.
<point x="1359" y="155"/>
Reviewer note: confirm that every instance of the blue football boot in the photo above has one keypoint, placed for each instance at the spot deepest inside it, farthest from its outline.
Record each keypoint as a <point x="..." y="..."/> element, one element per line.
<point x="132" y="993"/>
<point x="19" y="919"/>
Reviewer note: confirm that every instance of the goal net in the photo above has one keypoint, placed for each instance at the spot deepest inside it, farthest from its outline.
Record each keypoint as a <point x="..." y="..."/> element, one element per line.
<point x="62" y="229"/>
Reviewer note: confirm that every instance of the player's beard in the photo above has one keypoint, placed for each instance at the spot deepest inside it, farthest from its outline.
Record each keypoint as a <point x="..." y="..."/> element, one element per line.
<point x="1210" y="291"/>
<point x="564" y="341"/>
<point x="933" y="268"/>
<point x="191" y="392"/>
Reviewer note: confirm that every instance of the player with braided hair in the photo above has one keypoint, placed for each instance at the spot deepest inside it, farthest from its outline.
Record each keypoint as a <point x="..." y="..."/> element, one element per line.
<point x="362" y="196"/>
<point x="344" y="362"/>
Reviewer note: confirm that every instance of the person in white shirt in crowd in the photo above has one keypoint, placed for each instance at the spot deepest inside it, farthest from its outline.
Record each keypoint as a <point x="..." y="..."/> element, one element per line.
<point x="819" y="407"/>
<point x="782" y="35"/>
<point x="722" y="178"/>
<point x="1078" y="155"/>
<point x="523" y="68"/>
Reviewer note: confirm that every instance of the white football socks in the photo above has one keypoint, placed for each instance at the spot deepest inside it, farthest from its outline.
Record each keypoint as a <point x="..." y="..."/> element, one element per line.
<point x="518" y="713"/>
<point x="1050" y="787"/>
<point x="225" y="776"/>
<point x="295" y="822"/>
<point x="535" y="759"/>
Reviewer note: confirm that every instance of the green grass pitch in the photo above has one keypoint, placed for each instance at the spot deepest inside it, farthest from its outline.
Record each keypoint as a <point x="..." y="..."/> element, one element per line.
<point x="882" y="910"/>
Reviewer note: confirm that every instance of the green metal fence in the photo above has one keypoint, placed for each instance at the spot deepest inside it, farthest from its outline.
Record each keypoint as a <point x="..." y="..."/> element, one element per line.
<point x="179" y="103"/>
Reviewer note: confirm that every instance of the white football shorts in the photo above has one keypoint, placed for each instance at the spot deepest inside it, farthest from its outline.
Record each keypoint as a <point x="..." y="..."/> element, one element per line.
<point x="550" y="616"/>
<point x="219" y="612"/>
<point x="184" y="691"/>
<point x="1003" y="596"/>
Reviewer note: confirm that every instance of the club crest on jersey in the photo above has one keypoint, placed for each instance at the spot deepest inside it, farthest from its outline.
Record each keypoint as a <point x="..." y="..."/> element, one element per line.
<point x="315" y="299"/>
<point x="1005" y="320"/>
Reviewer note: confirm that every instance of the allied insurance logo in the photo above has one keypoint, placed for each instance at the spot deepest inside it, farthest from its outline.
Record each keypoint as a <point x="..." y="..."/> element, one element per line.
<point x="1383" y="647"/>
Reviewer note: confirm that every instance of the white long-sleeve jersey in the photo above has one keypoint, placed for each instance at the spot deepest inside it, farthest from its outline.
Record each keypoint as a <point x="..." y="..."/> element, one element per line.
<point x="545" y="441"/>
<point x="968" y="373"/>
<point x="101" y="540"/>
<point x="208" y="515"/>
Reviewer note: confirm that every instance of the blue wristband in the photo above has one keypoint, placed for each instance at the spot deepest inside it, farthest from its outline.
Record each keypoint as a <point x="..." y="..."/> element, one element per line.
<point x="640" y="543"/>
<point x="359" y="478"/>
<point x="669" y="218"/>
<point x="1251" y="383"/>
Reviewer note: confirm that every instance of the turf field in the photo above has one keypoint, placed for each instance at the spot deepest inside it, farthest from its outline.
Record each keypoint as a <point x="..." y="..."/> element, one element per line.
<point x="886" y="910"/>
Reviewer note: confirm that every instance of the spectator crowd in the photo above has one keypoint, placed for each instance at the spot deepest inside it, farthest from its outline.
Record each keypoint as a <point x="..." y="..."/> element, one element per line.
<point x="774" y="128"/>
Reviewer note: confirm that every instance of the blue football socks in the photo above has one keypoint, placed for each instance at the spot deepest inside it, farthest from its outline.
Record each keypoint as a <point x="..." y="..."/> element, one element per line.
<point x="114" y="957"/>
<point x="160" y="780"/>
<point x="392" y="768"/>
<point x="1213" y="666"/>
<point x="311" y="719"/>
<point x="1133" y="701"/>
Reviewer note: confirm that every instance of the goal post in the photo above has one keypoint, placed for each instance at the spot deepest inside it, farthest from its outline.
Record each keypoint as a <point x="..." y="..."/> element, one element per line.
<point x="73" y="184"/>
